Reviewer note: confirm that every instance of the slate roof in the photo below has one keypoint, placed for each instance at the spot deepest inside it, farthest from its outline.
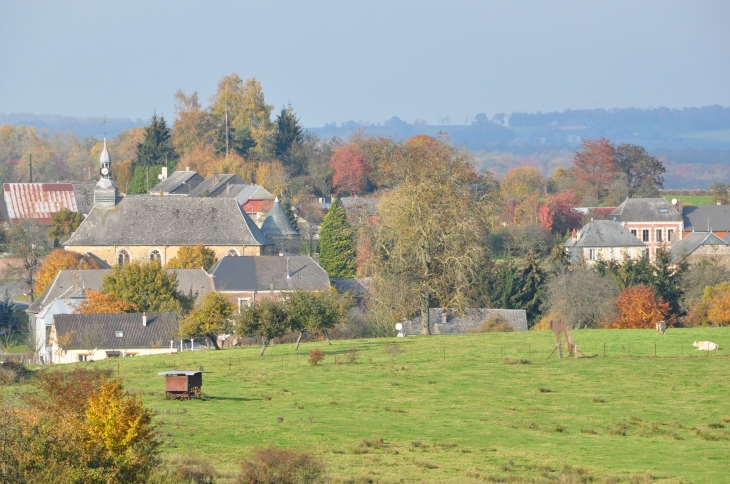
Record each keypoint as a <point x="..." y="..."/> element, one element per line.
<point x="356" y="207"/>
<point x="646" y="210"/>
<point x="154" y="220"/>
<point x="233" y="274"/>
<point x="244" y="193"/>
<point x="84" y="194"/>
<point x="195" y="281"/>
<point x="692" y="242"/>
<point x="604" y="233"/>
<point x="160" y="329"/>
<point x="213" y="188"/>
<point x="179" y="183"/>
<point x="62" y="285"/>
<point x="277" y="221"/>
<point x="707" y="218"/>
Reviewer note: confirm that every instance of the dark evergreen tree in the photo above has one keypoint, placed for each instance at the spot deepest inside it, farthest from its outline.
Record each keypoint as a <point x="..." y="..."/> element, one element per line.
<point x="7" y="312"/>
<point x="154" y="152"/>
<point x="288" y="132"/>
<point x="506" y="286"/>
<point x="667" y="280"/>
<point x="337" y="243"/>
<point x="240" y="141"/>
<point x="531" y="288"/>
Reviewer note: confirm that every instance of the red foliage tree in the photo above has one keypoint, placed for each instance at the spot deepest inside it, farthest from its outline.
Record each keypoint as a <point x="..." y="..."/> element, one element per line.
<point x="565" y="216"/>
<point x="638" y="307"/>
<point x="351" y="169"/>
<point x="596" y="165"/>
<point x="546" y="215"/>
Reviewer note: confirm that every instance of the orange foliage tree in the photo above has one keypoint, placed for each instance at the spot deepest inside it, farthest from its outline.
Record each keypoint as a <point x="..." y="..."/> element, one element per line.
<point x="59" y="260"/>
<point x="596" y="165"/>
<point x="351" y="169"/>
<point x="716" y="301"/>
<point x="638" y="307"/>
<point x="101" y="303"/>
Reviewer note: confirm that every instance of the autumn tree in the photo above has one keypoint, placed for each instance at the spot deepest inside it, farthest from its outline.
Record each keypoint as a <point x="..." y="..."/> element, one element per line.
<point x="311" y="216"/>
<point x="596" y="165"/>
<point x="28" y="244"/>
<point x="694" y="280"/>
<point x="98" y="302"/>
<point x="59" y="260"/>
<point x="351" y="170"/>
<point x="564" y="215"/>
<point x="193" y="257"/>
<point x="193" y="127"/>
<point x="720" y="193"/>
<point x="209" y="319"/>
<point x="265" y="318"/>
<point x="337" y="243"/>
<point x="63" y="224"/>
<point x="717" y="301"/>
<point x="520" y="183"/>
<point x="582" y="297"/>
<point x="641" y="172"/>
<point x="146" y="285"/>
<point x="638" y="307"/>
<point x="431" y="243"/>
<point x="310" y="311"/>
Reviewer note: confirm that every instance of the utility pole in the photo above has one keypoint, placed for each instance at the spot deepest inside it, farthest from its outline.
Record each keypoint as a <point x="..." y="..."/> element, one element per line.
<point x="30" y="165"/>
<point x="226" y="132"/>
<point x="148" y="178"/>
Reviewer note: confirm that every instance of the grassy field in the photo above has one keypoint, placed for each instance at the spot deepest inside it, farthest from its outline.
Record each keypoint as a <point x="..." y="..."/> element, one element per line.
<point x="449" y="409"/>
<point x="693" y="200"/>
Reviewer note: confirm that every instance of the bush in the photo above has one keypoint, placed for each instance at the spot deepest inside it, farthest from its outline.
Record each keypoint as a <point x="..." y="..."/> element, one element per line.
<point x="315" y="356"/>
<point x="496" y="324"/>
<point x="188" y="470"/>
<point x="279" y="466"/>
<point x="350" y="356"/>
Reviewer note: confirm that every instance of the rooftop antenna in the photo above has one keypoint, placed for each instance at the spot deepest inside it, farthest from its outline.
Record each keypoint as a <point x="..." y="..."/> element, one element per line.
<point x="30" y="166"/>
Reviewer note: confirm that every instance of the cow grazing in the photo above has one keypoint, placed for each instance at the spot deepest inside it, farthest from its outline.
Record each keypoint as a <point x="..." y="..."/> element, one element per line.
<point x="661" y="327"/>
<point x="705" y="345"/>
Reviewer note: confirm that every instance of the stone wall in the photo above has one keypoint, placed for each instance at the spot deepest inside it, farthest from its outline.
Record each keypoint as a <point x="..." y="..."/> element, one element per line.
<point x="450" y="321"/>
<point x="108" y="253"/>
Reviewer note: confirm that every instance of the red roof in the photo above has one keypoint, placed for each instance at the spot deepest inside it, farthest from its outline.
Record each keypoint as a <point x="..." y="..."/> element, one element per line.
<point x="257" y="206"/>
<point x="38" y="201"/>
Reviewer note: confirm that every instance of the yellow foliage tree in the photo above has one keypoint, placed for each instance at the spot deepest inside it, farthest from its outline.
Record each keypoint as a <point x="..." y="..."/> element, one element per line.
<point x="520" y="183"/>
<point x="272" y="176"/>
<point x="193" y="257"/>
<point x="716" y="300"/>
<point x="209" y="319"/>
<point x="59" y="260"/>
<point x="101" y="303"/>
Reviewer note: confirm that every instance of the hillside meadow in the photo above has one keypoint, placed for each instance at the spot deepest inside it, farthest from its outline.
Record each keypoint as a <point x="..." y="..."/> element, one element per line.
<point x="460" y="408"/>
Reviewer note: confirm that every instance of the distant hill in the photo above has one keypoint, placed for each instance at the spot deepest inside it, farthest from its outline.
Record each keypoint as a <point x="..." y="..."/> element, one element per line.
<point x="82" y="126"/>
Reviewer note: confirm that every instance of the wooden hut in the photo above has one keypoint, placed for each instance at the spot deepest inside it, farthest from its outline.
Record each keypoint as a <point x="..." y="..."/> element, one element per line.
<point x="182" y="384"/>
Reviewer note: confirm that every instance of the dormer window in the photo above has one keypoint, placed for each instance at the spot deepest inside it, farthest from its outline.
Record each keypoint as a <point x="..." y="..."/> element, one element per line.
<point x="663" y="210"/>
<point x="119" y="334"/>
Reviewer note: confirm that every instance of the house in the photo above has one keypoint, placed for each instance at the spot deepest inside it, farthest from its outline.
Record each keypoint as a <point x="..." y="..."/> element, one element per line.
<point x="448" y="321"/>
<point x="707" y="218"/>
<point x="603" y="239"/>
<point x="255" y="200"/>
<point x="699" y="245"/>
<point x="90" y="337"/>
<point x="278" y="229"/>
<point x="247" y="279"/>
<point x="68" y="289"/>
<point x="216" y="185"/>
<point x="654" y="221"/>
<point x="179" y="183"/>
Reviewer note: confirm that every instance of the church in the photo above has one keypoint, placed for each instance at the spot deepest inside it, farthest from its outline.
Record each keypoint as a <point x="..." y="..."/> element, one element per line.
<point x="149" y="227"/>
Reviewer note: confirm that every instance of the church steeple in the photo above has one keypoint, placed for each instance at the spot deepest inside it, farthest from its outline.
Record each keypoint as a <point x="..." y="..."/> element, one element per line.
<point x="105" y="192"/>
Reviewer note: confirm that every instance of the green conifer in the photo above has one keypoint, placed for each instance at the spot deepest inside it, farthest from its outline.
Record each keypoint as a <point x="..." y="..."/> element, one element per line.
<point x="337" y="243"/>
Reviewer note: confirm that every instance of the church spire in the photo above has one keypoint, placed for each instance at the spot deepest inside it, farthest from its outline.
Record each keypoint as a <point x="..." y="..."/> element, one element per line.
<point x="105" y="192"/>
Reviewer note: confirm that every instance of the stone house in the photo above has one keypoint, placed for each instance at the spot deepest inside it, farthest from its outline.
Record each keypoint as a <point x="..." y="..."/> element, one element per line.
<point x="701" y="245"/>
<point x="247" y="279"/>
<point x="654" y="221"/>
<point x="91" y="337"/>
<point x="603" y="239"/>
<point x="216" y="185"/>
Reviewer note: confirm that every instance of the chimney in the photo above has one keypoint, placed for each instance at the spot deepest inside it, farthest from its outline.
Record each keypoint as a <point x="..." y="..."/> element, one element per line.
<point x="215" y="177"/>
<point x="144" y="318"/>
<point x="76" y="280"/>
<point x="187" y="168"/>
<point x="315" y="257"/>
<point x="288" y="276"/>
<point x="444" y="317"/>
<point x="575" y="234"/>
<point x="228" y="188"/>
<point x="164" y="173"/>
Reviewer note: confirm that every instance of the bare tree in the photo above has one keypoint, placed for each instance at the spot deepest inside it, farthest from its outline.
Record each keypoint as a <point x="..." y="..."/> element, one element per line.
<point x="28" y="243"/>
<point x="91" y="339"/>
<point x="582" y="297"/>
<point x="311" y="215"/>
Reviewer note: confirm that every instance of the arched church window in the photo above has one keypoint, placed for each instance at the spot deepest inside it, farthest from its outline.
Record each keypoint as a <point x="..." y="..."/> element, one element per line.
<point x="155" y="255"/>
<point x="232" y="253"/>
<point x="122" y="257"/>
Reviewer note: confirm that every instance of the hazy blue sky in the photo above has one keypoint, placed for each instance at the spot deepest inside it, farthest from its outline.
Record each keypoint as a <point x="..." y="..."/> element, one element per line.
<point x="367" y="60"/>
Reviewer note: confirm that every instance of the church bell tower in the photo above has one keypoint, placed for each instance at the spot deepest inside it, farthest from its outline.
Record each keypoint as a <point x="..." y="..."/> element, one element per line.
<point x="105" y="192"/>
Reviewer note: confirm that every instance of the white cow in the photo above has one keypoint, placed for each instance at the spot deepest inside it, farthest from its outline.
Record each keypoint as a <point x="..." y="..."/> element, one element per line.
<point x="661" y="327"/>
<point x="705" y="345"/>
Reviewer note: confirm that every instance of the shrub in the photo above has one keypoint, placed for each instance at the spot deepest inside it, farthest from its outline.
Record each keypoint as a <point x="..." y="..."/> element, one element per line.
<point x="279" y="466"/>
<point x="496" y="324"/>
<point x="350" y="356"/>
<point x="392" y="349"/>
<point x="188" y="470"/>
<point x="315" y="356"/>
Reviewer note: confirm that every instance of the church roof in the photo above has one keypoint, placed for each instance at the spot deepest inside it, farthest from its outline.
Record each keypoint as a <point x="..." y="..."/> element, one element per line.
<point x="104" y="157"/>
<point x="154" y="220"/>
<point x="277" y="222"/>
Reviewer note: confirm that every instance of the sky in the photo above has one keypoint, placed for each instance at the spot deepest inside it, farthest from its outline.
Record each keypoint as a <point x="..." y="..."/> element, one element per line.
<point x="335" y="61"/>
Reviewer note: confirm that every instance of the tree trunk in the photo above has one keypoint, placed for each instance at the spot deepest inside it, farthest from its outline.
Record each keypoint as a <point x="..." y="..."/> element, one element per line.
<point x="326" y="336"/>
<point x="425" y="327"/>
<point x="265" y="343"/>
<point x="299" y="338"/>
<point x="213" y="339"/>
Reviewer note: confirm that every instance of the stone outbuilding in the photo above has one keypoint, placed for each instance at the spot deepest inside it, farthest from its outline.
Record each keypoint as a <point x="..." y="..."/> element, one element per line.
<point x="278" y="229"/>
<point x="701" y="245"/>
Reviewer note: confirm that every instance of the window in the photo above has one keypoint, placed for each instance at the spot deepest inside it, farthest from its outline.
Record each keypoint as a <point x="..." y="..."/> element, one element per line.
<point x="122" y="257"/>
<point x="155" y="256"/>
<point x="232" y="253"/>
<point x="663" y="210"/>
<point x="83" y="357"/>
<point x="645" y="235"/>
<point x="119" y="334"/>
<point x="591" y="254"/>
<point x="633" y="232"/>
<point x="243" y="303"/>
<point x="659" y="235"/>
<point x="670" y="235"/>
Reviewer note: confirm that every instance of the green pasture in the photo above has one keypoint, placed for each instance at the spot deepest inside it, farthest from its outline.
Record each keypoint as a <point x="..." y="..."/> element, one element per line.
<point x="449" y="409"/>
<point x="693" y="200"/>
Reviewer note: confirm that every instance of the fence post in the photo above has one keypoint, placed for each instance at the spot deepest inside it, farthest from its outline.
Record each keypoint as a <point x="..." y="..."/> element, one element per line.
<point x="500" y="352"/>
<point x="604" y="349"/>
<point x="654" y="350"/>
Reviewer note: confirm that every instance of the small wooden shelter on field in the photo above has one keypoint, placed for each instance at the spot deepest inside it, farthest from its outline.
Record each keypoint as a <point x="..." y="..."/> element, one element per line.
<point x="183" y="384"/>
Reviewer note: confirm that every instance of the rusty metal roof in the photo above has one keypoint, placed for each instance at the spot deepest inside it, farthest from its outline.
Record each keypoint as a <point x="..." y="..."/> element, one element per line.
<point x="37" y="201"/>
